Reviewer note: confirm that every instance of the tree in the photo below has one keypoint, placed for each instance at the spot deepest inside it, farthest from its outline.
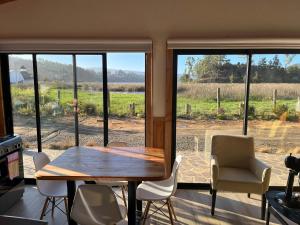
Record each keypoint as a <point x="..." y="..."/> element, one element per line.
<point x="288" y="59"/>
<point x="209" y="69"/>
<point x="188" y="71"/>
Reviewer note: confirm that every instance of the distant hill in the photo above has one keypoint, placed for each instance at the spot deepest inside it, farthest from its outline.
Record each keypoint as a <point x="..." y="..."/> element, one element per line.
<point x="50" y="71"/>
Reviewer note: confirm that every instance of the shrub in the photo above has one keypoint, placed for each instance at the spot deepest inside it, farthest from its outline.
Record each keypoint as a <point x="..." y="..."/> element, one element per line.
<point x="280" y="110"/>
<point x="251" y="111"/>
<point x="89" y="109"/>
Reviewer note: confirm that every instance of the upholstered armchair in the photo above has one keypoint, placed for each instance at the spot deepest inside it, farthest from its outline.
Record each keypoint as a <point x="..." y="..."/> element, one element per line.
<point x="234" y="168"/>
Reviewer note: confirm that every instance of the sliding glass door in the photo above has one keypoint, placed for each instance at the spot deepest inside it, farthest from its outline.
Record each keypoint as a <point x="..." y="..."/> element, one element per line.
<point x="213" y="92"/>
<point x="210" y="95"/>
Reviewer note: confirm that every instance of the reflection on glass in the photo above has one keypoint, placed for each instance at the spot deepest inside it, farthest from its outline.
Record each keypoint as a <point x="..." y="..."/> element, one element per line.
<point x="126" y="86"/>
<point x="23" y="104"/>
<point x="210" y="100"/>
<point x="274" y="109"/>
<point x="55" y="77"/>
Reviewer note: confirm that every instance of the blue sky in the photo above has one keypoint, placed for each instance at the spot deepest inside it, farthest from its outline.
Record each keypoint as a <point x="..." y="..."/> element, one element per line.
<point x="136" y="61"/>
<point x="125" y="61"/>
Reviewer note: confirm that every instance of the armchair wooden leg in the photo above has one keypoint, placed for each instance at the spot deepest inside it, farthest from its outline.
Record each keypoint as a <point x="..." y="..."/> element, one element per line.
<point x="263" y="206"/>
<point x="213" y="202"/>
<point x="210" y="189"/>
<point x="249" y="195"/>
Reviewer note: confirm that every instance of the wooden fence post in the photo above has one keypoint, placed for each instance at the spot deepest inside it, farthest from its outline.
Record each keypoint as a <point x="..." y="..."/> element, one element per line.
<point x="58" y="97"/>
<point x="274" y="99"/>
<point x="188" y="109"/>
<point x="218" y="100"/>
<point x="132" y="109"/>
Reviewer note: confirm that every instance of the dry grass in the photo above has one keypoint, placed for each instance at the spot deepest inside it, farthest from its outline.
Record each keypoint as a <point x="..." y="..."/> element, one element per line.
<point x="62" y="145"/>
<point x="236" y="91"/>
<point x="115" y="87"/>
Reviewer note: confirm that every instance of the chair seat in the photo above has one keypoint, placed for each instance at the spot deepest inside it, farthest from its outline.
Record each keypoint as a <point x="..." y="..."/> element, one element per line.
<point x="153" y="191"/>
<point x="111" y="183"/>
<point x="53" y="188"/>
<point x="238" y="180"/>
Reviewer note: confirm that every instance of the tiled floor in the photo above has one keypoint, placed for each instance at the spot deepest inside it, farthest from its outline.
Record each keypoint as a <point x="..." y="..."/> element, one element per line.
<point x="192" y="207"/>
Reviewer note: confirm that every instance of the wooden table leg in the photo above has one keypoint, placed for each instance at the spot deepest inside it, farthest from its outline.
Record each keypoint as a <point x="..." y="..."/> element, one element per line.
<point x="139" y="206"/>
<point x="71" y="185"/>
<point x="132" y="220"/>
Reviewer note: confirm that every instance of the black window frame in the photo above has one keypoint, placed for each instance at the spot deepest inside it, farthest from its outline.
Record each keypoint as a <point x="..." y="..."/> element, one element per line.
<point x="7" y="98"/>
<point x="218" y="51"/>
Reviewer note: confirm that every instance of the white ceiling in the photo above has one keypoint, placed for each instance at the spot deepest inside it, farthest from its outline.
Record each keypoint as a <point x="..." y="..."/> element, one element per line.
<point x="149" y="18"/>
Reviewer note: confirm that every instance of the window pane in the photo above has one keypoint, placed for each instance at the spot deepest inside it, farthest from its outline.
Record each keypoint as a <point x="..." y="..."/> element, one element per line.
<point x="274" y="108"/>
<point x="90" y="99"/>
<point x="23" y="104"/>
<point x="210" y="96"/>
<point x="55" y="77"/>
<point x="126" y="85"/>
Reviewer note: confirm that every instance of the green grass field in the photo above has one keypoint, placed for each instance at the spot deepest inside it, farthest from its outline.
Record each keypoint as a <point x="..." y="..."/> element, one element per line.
<point x="92" y="102"/>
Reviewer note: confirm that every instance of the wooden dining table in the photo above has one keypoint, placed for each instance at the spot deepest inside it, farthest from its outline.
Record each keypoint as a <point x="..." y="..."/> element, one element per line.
<point x="132" y="164"/>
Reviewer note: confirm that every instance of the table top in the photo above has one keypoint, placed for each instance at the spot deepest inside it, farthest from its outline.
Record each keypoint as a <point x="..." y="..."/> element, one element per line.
<point x="290" y="213"/>
<point x="117" y="163"/>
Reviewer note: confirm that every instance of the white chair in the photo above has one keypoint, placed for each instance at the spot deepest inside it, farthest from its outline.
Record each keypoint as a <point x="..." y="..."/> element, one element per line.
<point x="152" y="191"/>
<point x="52" y="190"/>
<point x="121" y="184"/>
<point x="96" y="205"/>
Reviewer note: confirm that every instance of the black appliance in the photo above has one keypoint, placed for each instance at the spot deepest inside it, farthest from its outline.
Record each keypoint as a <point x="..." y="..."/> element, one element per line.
<point x="289" y="198"/>
<point x="10" y="190"/>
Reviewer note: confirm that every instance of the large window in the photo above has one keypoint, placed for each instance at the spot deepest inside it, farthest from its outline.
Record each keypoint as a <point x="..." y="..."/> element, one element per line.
<point x="126" y="99"/>
<point x="77" y="99"/>
<point x="55" y="79"/>
<point x="212" y="97"/>
<point x="274" y="107"/>
<point x="23" y="105"/>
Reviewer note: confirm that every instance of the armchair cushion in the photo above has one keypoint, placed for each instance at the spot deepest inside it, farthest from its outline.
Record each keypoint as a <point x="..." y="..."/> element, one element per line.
<point x="238" y="180"/>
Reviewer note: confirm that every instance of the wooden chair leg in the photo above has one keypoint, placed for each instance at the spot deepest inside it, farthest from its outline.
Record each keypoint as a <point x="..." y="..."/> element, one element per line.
<point x="263" y="206"/>
<point x="249" y="195"/>
<point x="213" y="202"/>
<point x="66" y="207"/>
<point x="44" y="208"/>
<point x="124" y="196"/>
<point x="170" y="212"/>
<point x="53" y="206"/>
<point x="146" y="212"/>
<point x="173" y="211"/>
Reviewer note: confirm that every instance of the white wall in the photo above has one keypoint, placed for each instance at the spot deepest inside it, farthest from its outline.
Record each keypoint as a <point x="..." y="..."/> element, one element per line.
<point x="156" y="19"/>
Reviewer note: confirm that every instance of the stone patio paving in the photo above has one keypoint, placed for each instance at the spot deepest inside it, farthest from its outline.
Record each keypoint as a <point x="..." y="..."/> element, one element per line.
<point x="195" y="167"/>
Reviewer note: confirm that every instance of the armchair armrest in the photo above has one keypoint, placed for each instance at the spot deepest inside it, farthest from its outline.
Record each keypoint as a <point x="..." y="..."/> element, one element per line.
<point x="262" y="172"/>
<point x="214" y="170"/>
